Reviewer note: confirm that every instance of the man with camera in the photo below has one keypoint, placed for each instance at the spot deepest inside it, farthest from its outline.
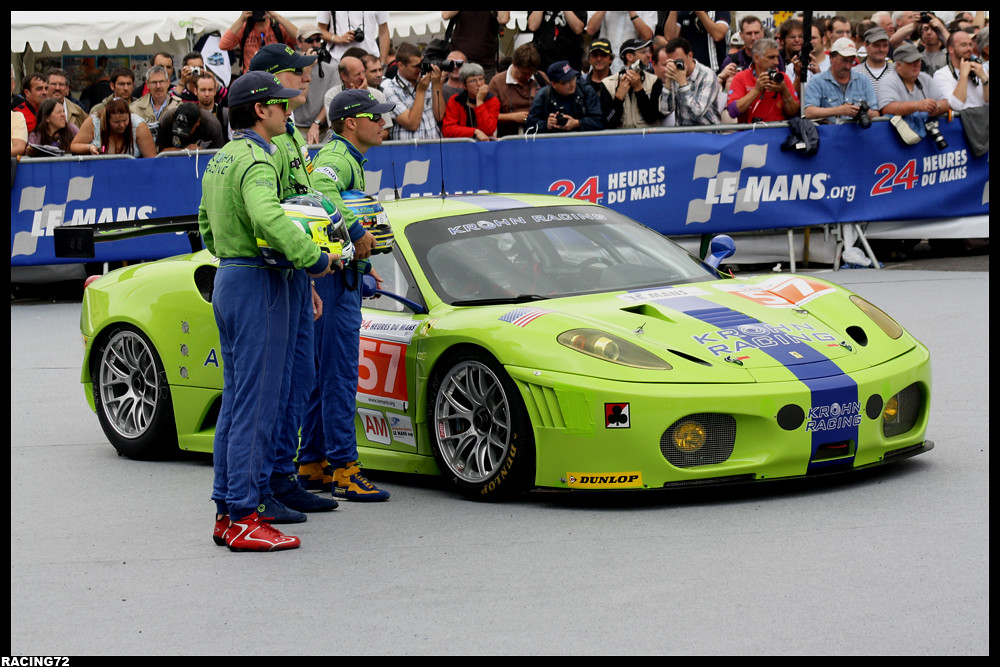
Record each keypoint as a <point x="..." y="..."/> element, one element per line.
<point x="963" y="82"/>
<point x="565" y="105"/>
<point x="634" y="90"/>
<point x="253" y="30"/>
<point x="762" y="93"/>
<point x="690" y="89"/>
<point x="353" y="76"/>
<point x="909" y="92"/>
<point x="416" y="111"/>
<point x="310" y="117"/>
<point x="841" y="92"/>
<point x="343" y="30"/>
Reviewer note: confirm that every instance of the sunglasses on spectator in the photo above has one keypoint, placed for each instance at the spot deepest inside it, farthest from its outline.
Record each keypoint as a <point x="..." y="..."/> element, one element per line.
<point x="313" y="40"/>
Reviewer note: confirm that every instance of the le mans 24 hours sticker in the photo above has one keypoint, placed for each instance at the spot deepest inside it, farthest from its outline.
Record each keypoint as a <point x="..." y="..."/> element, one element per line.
<point x="780" y="292"/>
<point x="382" y="361"/>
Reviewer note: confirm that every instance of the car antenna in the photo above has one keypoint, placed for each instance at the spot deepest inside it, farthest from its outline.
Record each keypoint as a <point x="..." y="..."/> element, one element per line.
<point x="395" y="188"/>
<point x="441" y="155"/>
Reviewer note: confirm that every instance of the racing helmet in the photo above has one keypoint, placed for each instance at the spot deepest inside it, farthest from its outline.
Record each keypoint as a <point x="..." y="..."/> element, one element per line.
<point x="373" y="218"/>
<point x="318" y="218"/>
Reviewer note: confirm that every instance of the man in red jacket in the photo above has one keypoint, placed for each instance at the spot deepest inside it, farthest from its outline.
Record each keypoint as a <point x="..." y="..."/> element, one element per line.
<point x="473" y="112"/>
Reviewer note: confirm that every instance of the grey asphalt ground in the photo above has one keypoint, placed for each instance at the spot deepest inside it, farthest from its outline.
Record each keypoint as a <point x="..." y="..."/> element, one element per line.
<point x="113" y="557"/>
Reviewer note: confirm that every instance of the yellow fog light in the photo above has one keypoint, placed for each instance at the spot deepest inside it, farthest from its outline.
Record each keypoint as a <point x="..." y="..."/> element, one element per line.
<point x="689" y="437"/>
<point x="890" y="414"/>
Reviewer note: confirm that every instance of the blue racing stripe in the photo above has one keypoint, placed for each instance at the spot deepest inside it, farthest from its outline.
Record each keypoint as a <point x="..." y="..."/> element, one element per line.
<point x="835" y="412"/>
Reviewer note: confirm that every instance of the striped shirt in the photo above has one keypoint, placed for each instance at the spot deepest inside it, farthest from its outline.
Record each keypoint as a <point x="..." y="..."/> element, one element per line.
<point x="402" y="94"/>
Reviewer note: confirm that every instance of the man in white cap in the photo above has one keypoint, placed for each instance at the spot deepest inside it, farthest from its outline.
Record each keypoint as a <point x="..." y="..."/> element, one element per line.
<point x="838" y="92"/>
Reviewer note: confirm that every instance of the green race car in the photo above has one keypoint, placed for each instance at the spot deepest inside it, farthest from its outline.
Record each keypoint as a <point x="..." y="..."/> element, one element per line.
<point x="531" y="341"/>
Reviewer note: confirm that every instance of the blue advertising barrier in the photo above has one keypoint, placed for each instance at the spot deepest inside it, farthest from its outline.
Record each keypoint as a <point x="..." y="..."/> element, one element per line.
<point x="676" y="183"/>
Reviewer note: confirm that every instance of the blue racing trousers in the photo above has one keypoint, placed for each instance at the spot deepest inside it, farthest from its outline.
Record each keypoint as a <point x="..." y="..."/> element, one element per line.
<point x="328" y="431"/>
<point x="251" y="308"/>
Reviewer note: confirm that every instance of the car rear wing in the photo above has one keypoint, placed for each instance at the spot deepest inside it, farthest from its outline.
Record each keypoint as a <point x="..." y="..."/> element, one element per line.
<point x="77" y="241"/>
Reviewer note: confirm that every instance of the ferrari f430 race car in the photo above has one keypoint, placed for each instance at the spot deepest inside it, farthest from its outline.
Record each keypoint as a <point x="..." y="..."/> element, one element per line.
<point x="527" y="341"/>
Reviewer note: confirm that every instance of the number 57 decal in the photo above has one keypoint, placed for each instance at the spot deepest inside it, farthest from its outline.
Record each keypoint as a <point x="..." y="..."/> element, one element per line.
<point x="382" y="373"/>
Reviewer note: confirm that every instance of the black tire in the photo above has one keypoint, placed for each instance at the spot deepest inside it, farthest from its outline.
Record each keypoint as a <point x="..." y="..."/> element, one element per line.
<point x="480" y="431"/>
<point x="132" y="396"/>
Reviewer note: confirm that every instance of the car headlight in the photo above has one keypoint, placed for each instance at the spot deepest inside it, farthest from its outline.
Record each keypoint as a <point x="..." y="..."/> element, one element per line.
<point x="609" y="347"/>
<point x="885" y="323"/>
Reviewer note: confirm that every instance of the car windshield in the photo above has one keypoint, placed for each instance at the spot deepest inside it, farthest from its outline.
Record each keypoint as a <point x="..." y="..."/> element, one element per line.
<point x="540" y="253"/>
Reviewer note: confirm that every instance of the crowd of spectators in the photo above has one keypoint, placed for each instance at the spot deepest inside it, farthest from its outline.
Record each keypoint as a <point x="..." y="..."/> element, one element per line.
<point x="580" y="71"/>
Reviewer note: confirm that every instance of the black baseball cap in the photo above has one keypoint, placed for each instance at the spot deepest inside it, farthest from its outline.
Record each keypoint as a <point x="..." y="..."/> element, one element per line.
<point x="601" y="44"/>
<point x="258" y="86"/>
<point x="633" y="45"/>
<point x="275" y="58"/>
<point x="354" y="101"/>
<point x="186" y="117"/>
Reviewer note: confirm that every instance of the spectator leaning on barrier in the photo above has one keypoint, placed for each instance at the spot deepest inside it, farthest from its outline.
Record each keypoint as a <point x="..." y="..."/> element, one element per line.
<point x="875" y="65"/>
<point x="962" y="81"/>
<point x="909" y="92"/>
<point x="841" y="91"/>
<point x="762" y="93"/>
<point x="59" y="90"/>
<point x="35" y="89"/>
<point x="690" y="89"/>
<point x="565" y="105"/>
<point x="634" y="91"/>
<point x="473" y="111"/>
<point x="516" y="89"/>
<point x="353" y="76"/>
<point x="53" y="131"/>
<point x="254" y="29"/>
<point x="415" y="93"/>
<point x="117" y="131"/>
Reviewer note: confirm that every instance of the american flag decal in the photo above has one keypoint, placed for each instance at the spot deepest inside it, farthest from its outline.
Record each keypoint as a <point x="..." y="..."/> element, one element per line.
<point x="522" y="316"/>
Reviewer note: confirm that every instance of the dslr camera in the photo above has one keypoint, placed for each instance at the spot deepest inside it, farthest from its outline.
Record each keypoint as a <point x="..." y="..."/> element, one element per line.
<point x="775" y="76"/>
<point x="359" y="34"/>
<point x="445" y="65"/>
<point x="934" y="133"/>
<point x="864" y="121"/>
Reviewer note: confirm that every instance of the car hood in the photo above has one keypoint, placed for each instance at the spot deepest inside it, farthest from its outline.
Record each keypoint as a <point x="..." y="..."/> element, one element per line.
<point x="763" y="328"/>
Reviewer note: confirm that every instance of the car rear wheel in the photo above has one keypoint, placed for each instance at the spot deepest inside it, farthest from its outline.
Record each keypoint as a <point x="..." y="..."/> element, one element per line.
<point x="132" y="396"/>
<point x="480" y="431"/>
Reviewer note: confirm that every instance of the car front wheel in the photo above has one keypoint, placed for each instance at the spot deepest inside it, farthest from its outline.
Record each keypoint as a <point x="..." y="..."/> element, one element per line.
<point x="481" y="433"/>
<point x="132" y="396"/>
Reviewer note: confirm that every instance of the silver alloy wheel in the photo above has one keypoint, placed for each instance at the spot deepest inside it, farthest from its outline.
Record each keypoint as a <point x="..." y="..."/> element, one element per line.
<point x="473" y="422"/>
<point x="127" y="384"/>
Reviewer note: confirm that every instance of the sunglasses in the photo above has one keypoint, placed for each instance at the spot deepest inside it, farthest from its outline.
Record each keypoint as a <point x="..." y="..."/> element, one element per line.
<point x="280" y="101"/>
<point x="373" y="117"/>
<point x="313" y="40"/>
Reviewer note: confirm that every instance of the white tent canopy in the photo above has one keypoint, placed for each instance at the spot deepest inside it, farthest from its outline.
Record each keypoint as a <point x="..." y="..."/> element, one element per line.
<point x="63" y="32"/>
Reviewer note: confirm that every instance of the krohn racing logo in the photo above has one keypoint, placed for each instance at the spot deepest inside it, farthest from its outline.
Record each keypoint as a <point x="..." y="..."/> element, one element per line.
<point x="760" y="336"/>
<point x="746" y="193"/>
<point x="46" y="217"/>
<point x="834" y="416"/>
